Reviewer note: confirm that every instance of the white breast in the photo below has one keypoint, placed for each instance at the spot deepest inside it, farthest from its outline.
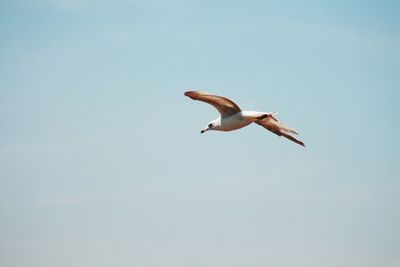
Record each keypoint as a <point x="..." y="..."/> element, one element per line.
<point x="234" y="122"/>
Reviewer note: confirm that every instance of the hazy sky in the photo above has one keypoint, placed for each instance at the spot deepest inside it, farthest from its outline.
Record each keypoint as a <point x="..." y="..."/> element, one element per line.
<point x="101" y="158"/>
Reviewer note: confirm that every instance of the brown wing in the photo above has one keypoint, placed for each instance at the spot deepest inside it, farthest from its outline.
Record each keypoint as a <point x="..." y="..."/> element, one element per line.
<point x="272" y="124"/>
<point x="225" y="106"/>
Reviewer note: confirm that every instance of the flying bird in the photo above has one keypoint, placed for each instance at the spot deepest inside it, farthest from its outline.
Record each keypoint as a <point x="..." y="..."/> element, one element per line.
<point x="233" y="118"/>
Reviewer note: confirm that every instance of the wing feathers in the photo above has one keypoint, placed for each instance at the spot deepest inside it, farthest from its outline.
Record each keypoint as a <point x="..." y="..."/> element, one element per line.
<point x="272" y="124"/>
<point x="224" y="105"/>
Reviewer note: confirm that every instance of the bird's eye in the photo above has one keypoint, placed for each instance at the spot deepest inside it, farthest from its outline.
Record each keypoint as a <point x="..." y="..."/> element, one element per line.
<point x="210" y="125"/>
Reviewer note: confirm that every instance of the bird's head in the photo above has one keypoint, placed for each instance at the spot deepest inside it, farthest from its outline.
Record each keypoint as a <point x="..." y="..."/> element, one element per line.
<point x="211" y="126"/>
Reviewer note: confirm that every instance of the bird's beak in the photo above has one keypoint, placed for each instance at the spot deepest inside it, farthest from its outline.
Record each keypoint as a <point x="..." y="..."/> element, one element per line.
<point x="204" y="130"/>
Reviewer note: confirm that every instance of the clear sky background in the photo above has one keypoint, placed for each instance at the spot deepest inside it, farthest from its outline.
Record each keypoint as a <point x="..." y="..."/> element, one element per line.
<point x="101" y="158"/>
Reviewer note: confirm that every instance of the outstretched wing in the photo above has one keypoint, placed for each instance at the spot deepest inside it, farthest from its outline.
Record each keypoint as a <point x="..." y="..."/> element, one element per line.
<point x="225" y="106"/>
<point x="272" y="124"/>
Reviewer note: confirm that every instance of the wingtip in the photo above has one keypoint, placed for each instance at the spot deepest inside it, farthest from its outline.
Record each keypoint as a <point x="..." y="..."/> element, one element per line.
<point x="299" y="142"/>
<point x="193" y="93"/>
<point x="190" y="94"/>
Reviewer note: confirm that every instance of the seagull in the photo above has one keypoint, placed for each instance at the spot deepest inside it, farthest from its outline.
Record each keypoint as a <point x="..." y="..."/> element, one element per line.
<point x="233" y="118"/>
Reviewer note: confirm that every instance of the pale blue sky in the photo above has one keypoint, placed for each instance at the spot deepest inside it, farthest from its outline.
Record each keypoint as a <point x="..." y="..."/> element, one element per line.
<point x="102" y="162"/>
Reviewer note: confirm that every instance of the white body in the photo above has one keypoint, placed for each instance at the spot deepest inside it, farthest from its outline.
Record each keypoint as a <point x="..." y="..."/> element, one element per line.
<point x="235" y="121"/>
